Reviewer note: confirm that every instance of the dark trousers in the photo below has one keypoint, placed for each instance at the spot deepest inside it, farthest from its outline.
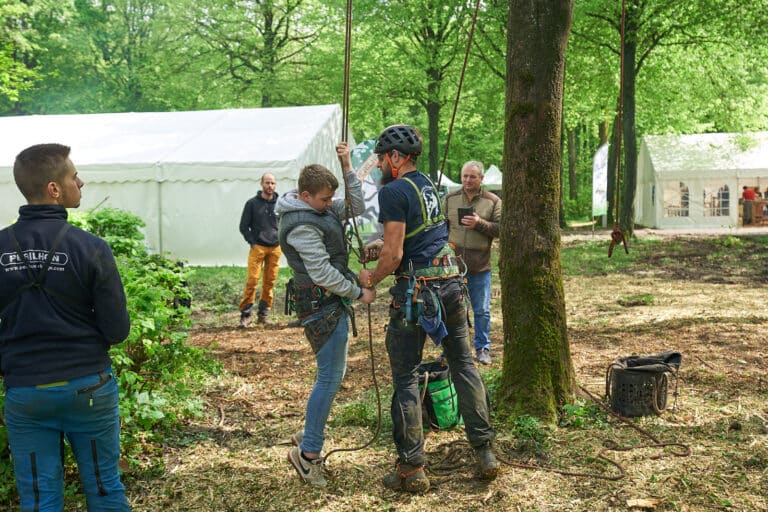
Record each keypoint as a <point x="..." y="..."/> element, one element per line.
<point x="405" y="343"/>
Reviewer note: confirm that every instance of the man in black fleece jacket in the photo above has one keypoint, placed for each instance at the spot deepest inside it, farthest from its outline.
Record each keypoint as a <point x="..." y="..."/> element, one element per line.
<point x="62" y="305"/>
<point x="258" y="225"/>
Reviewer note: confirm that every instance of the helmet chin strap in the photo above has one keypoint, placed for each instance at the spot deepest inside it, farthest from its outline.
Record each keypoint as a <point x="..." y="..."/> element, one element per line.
<point x="396" y="170"/>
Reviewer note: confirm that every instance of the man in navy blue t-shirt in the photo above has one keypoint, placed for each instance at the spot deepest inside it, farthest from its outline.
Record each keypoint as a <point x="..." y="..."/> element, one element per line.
<point x="427" y="298"/>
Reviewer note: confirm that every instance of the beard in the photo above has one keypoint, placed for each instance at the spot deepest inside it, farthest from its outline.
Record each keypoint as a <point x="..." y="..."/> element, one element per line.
<point x="386" y="177"/>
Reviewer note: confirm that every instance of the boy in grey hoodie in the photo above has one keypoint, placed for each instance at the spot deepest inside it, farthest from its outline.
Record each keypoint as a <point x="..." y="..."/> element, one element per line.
<point x="311" y="234"/>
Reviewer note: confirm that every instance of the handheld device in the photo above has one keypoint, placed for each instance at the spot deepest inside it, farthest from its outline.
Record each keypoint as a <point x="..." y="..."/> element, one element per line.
<point x="463" y="212"/>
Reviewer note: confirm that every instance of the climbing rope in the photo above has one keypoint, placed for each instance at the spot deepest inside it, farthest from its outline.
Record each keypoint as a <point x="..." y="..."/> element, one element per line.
<point x="351" y="225"/>
<point x="617" y="236"/>
<point x="458" y="93"/>
<point x="353" y="231"/>
<point x="449" y="457"/>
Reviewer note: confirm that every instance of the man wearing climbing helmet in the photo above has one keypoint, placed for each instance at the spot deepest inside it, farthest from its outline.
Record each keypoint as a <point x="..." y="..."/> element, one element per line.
<point x="427" y="299"/>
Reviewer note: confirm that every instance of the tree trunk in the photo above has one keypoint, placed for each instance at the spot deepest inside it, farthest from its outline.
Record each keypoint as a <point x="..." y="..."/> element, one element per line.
<point x="572" y="152"/>
<point x="613" y="157"/>
<point x="433" y="119"/>
<point x="628" y="126"/>
<point x="563" y="222"/>
<point x="537" y="376"/>
<point x="602" y="129"/>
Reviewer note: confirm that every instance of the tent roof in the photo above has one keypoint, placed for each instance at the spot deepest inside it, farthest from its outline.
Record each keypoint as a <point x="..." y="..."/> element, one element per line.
<point x="492" y="177"/>
<point x="230" y="139"/>
<point x="717" y="152"/>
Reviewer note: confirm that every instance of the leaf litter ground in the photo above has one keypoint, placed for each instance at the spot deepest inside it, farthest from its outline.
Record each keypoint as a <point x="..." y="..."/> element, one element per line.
<point x="712" y="311"/>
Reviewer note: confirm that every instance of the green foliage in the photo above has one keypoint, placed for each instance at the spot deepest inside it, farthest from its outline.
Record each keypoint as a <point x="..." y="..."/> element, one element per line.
<point x="531" y="435"/>
<point x="363" y="412"/>
<point x="640" y="299"/>
<point x="728" y="242"/>
<point x="582" y="416"/>
<point x="591" y="258"/>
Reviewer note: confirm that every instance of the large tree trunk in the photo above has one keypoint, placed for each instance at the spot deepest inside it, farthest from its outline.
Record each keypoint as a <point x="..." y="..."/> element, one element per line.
<point x="537" y="376"/>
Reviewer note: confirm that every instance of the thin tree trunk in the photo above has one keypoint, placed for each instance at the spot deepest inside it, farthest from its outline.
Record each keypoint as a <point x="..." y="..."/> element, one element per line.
<point x="537" y="376"/>
<point x="628" y="126"/>
<point x="572" y="156"/>
<point x="613" y="157"/>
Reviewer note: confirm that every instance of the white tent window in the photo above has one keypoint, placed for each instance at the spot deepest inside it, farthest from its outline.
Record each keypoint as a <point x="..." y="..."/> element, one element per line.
<point x="677" y="201"/>
<point x="717" y="202"/>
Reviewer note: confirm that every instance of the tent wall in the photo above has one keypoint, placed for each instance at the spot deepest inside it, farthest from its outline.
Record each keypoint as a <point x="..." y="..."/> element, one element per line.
<point x="696" y="180"/>
<point x="186" y="174"/>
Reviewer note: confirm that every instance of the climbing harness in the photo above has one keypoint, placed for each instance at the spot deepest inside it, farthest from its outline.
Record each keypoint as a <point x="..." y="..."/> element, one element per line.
<point x="427" y="222"/>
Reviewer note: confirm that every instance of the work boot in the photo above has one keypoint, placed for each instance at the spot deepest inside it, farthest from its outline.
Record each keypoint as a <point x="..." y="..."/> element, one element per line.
<point x="263" y="312"/>
<point x="489" y="466"/>
<point x="407" y="477"/>
<point x="243" y="321"/>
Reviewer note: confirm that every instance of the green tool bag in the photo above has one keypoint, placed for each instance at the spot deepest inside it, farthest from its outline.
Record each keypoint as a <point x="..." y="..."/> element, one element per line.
<point x="440" y="405"/>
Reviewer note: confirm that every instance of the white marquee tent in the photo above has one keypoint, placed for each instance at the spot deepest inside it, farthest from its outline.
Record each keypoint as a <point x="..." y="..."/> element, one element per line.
<point x="696" y="180"/>
<point x="186" y="174"/>
<point x="492" y="179"/>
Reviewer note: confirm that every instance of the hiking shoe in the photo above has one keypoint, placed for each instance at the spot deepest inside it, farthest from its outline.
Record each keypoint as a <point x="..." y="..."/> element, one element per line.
<point x="311" y="471"/>
<point x="262" y="319"/>
<point x="243" y="322"/>
<point x="407" y="478"/>
<point x="483" y="356"/>
<point x="489" y="466"/>
<point x="297" y="437"/>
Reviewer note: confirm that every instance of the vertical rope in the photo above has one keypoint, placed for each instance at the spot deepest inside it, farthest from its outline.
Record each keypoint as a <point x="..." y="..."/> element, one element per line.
<point x="347" y="67"/>
<point x="353" y="220"/>
<point x="458" y="93"/>
<point x="345" y="121"/>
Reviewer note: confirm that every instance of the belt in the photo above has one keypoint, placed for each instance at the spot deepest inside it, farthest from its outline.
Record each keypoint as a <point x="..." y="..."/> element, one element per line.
<point x="441" y="261"/>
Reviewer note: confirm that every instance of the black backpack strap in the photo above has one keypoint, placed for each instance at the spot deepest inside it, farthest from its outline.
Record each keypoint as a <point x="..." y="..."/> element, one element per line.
<point x="36" y="280"/>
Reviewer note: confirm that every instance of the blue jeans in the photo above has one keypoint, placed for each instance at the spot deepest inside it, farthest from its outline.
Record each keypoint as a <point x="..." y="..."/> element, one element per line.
<point x="38" y="418"/>
<point x="331" y="366"/>
<point x="405" y="344"/>
<point x="479" y="286"/>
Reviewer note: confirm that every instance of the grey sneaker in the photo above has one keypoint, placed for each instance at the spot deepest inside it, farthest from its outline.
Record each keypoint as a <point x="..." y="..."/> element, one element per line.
<point x="297" y="437"/>
<point x="309" y="471"/>
<point x="407" y="478"/>
<point x="489" y="466"/>
<point x="483" y="356"/>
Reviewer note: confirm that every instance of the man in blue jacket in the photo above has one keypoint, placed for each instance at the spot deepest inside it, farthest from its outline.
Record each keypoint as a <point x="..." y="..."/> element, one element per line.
<point x="62" y="305"/>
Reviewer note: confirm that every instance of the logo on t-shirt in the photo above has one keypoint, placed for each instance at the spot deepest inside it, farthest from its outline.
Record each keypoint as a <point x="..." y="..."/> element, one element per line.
<point x="32" y="257"/>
